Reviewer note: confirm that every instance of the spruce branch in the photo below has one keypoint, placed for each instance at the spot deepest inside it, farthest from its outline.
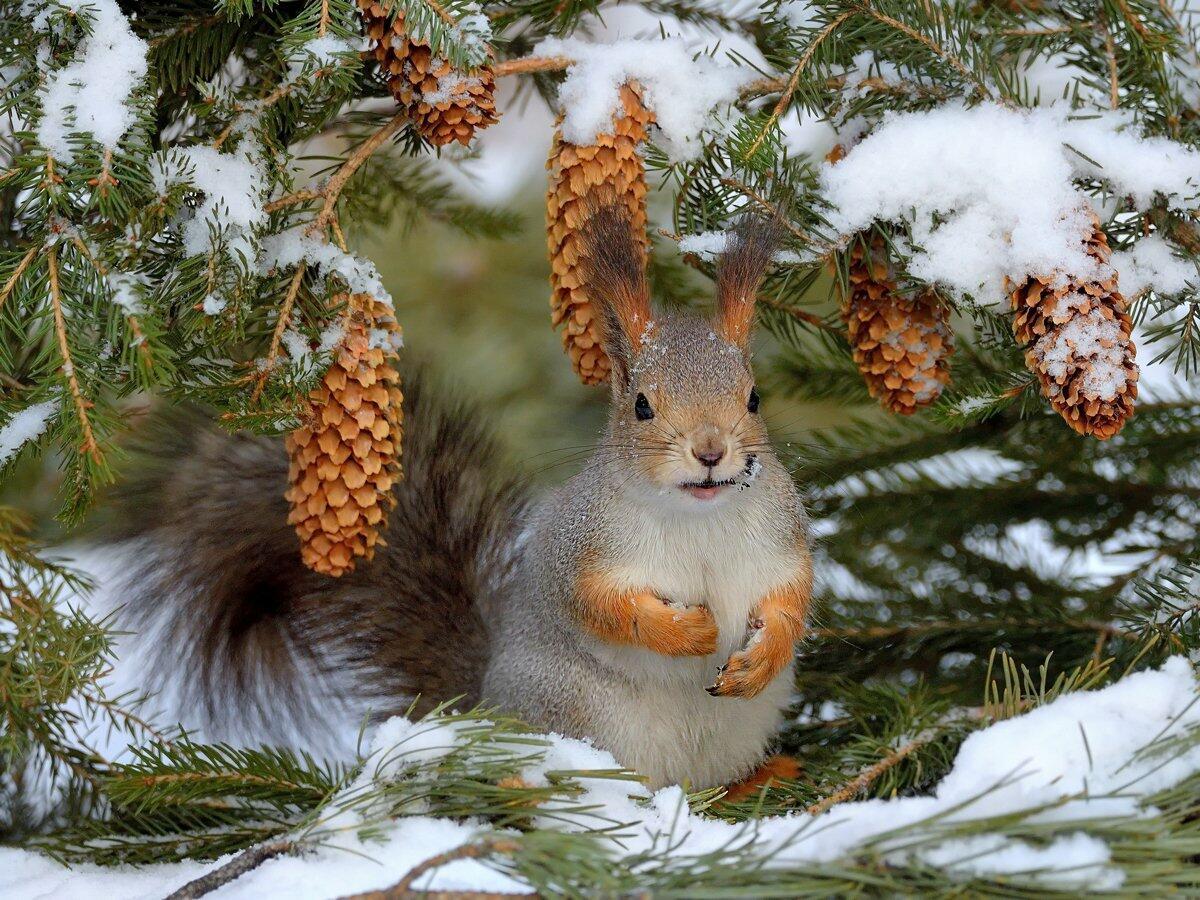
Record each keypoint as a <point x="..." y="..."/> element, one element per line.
<point x="18" y="272"/>
<point x="794" y="80"/>
<point x="89" y="447"/>
<point x="281" y="324"/>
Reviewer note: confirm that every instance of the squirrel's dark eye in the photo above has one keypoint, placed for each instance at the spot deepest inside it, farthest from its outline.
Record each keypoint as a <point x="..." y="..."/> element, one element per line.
<point x="641" y="408"/>
<point x="752" y="403"/>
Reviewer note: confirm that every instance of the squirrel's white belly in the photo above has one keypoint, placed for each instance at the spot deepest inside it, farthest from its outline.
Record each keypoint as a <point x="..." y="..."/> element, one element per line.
<point x="663" y="723"/>
<point x="676" y="733"/>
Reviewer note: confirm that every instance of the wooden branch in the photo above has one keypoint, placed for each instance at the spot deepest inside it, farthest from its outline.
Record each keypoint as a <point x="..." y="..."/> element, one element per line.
<point x="302" y="196"/>
<point x="18" y="272"/>
<point x="235" y="868"/>
<point x="869" y="775"/>
<point x="333" y="188"/>
<point x="798" y="314"/>
<point x="794" y="80"/>
<point x="441" y="11"/>
<point x="528" y="64"/>
<point x="285" y="313"/>
<point x="403" y="889"/>
<point x="90" y="446"/>
<point x="1110" y="53"/>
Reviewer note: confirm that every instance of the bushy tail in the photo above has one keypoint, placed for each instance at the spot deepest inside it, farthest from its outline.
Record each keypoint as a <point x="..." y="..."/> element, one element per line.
<point x="236" y="620"/>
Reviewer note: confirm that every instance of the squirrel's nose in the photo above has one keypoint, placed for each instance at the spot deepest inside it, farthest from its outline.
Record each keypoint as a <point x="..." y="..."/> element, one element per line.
<point x="708" y="457"/>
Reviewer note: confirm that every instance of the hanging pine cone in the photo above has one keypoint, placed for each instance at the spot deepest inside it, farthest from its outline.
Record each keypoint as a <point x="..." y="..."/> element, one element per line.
<point x="1077" y="339"/>
<point x="344" y="460"/>
<point x="901" y="344"/>
<point x="612" y="167"/>
<point x="446" y="105"/>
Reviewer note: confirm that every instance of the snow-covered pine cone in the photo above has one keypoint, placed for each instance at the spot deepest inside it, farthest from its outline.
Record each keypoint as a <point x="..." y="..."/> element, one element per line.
<point x="901" y="344"/>
<point x="445" y="104"/>
<point x="344" y="460"/>
<point x="1076" y="335"/>
<point x="610" y="167"/>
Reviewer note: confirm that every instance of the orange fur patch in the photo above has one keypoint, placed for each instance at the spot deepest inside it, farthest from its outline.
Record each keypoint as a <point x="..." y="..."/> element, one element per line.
<point x="772" y="647"/>
<point x="643" y="619"/>
<point x="774" y="769"/>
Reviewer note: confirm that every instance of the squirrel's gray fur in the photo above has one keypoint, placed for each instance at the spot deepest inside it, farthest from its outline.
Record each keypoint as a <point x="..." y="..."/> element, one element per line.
<point x="473" y="594"/>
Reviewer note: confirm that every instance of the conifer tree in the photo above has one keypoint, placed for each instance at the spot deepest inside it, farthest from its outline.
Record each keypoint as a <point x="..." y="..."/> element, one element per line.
<point x="181" y="188"/>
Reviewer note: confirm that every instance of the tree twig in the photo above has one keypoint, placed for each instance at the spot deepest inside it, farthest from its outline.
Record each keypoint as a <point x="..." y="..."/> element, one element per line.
<point x="798" y="314"/>
<point x="786" y="97"/>
<point x="403" y="889"/>
<point x="90" y="446"/>
<point x="527" y="64"/>
<point x="235" y="868"/>
<point x="333" y="188"/>
<point x="957" y="64"/>
<point x="139" y="336"/>
<point x="869" y="775"/>
<point x="18" y="272"/>
<point x="1110" y="53"/>
<point x="285" y="313"/>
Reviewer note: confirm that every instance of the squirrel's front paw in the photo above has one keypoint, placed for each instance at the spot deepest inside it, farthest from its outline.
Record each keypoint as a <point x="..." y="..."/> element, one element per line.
<point x="747" y="672"/>
<point x="673" y="630"/>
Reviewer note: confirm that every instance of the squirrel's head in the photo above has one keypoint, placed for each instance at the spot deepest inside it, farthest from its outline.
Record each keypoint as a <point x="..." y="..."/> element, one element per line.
<point x="685" y="419"/>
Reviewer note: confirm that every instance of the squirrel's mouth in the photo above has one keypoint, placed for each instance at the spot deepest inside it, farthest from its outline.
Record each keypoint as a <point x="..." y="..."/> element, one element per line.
<point x="708" y="488"/>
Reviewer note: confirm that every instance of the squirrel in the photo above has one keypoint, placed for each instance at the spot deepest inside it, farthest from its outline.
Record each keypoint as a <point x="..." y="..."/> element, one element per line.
<point x="651" y="604"/>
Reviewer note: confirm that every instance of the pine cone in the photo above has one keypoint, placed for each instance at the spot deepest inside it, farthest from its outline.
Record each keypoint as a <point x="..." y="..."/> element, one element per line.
<point x="446" y="105"/>
<point x="344" y="460"/>
<point x="902" y="345"/>
<point x="612" y="169"/>
<point x="1077" y="339"/>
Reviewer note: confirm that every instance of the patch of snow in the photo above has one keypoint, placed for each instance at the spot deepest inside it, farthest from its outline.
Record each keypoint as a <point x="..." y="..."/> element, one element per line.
<point x="1087" y="342"/>
<point x="798" y="13"/>
<point x="1153" y="264"/>
<point x="705" y="244"/>
<point x="1008" y="207"/>
<point x="322" y="52"/>
<point x="90" y="94"/>
<point x="126" y="290"/>
<point x="683" y="88"/>
<point x="24" y="426"/>
<point x="288" y="248"/>
<point x="232" y="185"/>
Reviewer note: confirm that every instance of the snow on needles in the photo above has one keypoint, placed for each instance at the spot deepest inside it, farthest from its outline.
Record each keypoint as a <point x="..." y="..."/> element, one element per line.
<point x="683" y="89"/>
<point x="232" y="184"/>
<point x="26" y="425"/>
<point x="989" y="192"/>
<point x="1083" y="758"/>
<point x="288" y="248"/>
<point x="90" y="93"/>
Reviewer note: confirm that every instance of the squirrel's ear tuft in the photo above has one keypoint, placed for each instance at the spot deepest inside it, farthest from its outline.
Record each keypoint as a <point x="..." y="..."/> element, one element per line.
<point x="740" y="272"/>
<point x="614" y="269"/>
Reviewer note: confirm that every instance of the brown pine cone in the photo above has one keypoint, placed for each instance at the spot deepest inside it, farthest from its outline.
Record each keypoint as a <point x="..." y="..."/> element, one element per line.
<point x="1077" y="339"/>
<point x="901" y="344"/>
<point x="346" y="457"/>
<point x="612" y="169"/>
<point x="446" y="105"/>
